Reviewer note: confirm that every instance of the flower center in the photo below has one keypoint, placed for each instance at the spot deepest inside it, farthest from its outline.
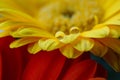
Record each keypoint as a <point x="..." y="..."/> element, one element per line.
<point x="70" y="16"/>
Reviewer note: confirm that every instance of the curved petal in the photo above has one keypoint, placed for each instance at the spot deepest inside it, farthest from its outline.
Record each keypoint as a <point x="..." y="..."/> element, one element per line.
<point x="49" y="44"/>
<point x="112" y="43"/>
<point x="113" y="8"/>
<point x="15" y="15"/>
<point x="31" y="32"/>
<point x="34" y="48"/>
<point x="114" y="20"/>
<point x="97" y="32"/>
<point x="13" y="25"/>
<point x="22" y="42"/>
<point x="114" y="31"/>
<point x="84" y="44"/>
<point x="18" y="16"/>
<point x="6" y="25"/>
<point x="99" y="49"/>
<point x="4" y="33"/>
<point x="69" y="38"/>
<point x="70" y="52"/>
<point x="113" y="60"/>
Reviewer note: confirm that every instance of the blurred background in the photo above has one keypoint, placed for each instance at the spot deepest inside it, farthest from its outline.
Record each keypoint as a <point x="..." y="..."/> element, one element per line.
<point x="112" y="75"/>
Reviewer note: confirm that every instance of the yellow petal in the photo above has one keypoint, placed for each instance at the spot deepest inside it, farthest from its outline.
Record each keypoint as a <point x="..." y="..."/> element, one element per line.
<point x="84" y="45"/>
<point x="107" y="3"/>
<point x="15" y="15"/>
<point x="31" y="32"/>
<point x="2" y="19"/>
<point x="49" y="44"/>
<point x="112" y="43"/>
<point x="6" y="24"/>
<point x="19" y="16"/>
<point x="113" y="60"/>
<point x="114" y="31"/>
<point x="70" y="52"/>
<point x="9" y="4"/>
<point x="4" y="33"/>
<point x="99" y="49"/>
<point x="9" y="25"/>
<point x="114" y="8"/>
<point x="96" y="33"/>
<point x="32" y="9"/>
<point x="114" y="20"/>
<point x="69" y="38"/>
<point x="22" y="42"/>
<point x="33" y="48"/>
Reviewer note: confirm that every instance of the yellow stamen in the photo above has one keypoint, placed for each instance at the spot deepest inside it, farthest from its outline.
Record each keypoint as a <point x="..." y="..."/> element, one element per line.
<point x="63" y="15"/>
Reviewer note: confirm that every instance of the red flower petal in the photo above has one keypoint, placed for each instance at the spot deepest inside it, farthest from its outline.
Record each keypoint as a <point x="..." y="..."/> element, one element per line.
<point x="44" y="66"/>
<point x="81" y="71"/>
<point x="97" y="79"/>
<point x="101" y="72"/>
<point x="0" y="66"/>
<point x="11" y="61"/>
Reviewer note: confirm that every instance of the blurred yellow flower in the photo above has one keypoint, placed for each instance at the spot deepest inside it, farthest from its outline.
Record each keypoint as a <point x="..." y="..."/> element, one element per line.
<point x="72" y="26"/>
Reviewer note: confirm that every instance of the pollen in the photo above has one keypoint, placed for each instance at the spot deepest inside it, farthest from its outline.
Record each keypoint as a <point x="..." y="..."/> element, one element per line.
<point x="65" y="14"/>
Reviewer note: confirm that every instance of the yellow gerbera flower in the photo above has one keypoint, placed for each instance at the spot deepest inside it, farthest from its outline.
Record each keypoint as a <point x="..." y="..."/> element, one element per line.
<point x="72" y="26"/>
